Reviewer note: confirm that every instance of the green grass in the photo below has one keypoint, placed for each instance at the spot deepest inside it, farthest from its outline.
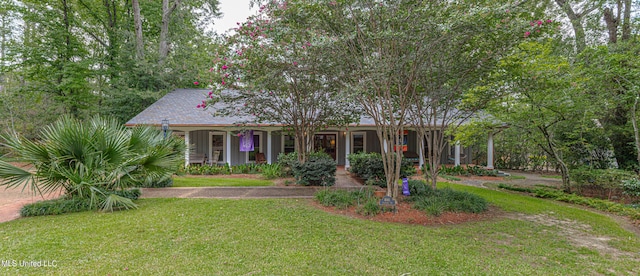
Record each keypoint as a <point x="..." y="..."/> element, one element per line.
<point x="219" y="182"/>
<point x="450" y="178"/>
<point x="515" y="177"/>
<point x="290" y="237"/>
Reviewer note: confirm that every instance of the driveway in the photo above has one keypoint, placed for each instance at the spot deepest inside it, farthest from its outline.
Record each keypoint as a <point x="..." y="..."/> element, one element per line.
<point x="11" y="200"/>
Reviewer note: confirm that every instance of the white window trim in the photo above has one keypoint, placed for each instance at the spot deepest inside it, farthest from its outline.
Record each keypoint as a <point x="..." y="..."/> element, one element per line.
<point x="262" y="147"/>
<point x="364" y="142"/>
<point x="224" y="145"/>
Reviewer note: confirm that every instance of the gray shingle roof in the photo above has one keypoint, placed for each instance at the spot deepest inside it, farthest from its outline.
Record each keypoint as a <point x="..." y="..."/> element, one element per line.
<point x="180" y="108"/>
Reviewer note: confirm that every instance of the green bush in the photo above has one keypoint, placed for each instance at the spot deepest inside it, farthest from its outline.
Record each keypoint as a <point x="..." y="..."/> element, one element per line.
<point x="468" y="170"/>
<point x="369" y="167"/>
<point x="166" y="182"/>
<point x="319" y="170"/>
<point x="514" y="188"/>
<point x="271" y="171"/>
<point x="435" y="202"/>
<point x="208" y="170"/>
<point x="339" y="198"/>
<point x="286" y="162"/>
<point x="600" y="204"/>
<point x="369" y="208"/>
<point x="132" y="194"/>
<point x="631" y="187"/>
<point x="418" y="188"/>
<point x="608" y="179"/>
<point x="70" y="205"/>
<point x="56" y="207"/>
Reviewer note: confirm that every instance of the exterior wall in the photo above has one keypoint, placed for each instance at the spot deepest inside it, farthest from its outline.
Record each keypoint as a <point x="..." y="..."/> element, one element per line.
<point x="276" y="145"/>
<point x="373" y="144"/>
<point x="199" y="141"/>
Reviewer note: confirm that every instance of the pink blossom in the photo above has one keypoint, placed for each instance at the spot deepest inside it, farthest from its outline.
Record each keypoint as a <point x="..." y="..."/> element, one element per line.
<point x="195" y="83"/>
<point x="211" y="69"/>
<point x="532" y="23"/>
<point x="526" y="34"/>
<point x="210" y="93"/>
<point x="224" y="67"/>
<point x="539" y="22"/>
<point x="224" y="83"/>
<point x="198" y="106"/>
<point x="507" y="11"/>
<point x="226" y="75"/>
<point x="295" y="63"/>
<point x="549" y="21"/>
<point x="333" y="3"/>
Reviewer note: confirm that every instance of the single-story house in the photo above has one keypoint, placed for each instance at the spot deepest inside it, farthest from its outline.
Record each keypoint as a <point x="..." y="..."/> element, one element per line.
<point x="212" y="139"/>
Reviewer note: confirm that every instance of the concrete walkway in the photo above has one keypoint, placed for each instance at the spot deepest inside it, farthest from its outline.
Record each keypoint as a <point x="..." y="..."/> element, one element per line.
<point x="343" y="181"/>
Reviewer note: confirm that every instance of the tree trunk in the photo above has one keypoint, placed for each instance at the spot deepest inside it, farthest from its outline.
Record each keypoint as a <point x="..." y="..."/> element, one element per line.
<point x="138" y="29"/>
<point x="167" y="10"/>
<point x="576" y="23"/>
<point x="551" y="149"/>
<point x="626" y="23"/>
<point x="612" y="25"/>
<point x="635" y="128"/>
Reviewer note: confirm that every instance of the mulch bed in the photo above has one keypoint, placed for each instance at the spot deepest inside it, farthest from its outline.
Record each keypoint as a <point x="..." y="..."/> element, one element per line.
<point x="407" y="215"/>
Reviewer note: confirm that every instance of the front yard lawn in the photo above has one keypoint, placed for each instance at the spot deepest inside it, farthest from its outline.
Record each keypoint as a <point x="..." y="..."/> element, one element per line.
<point x="291" y="237"/>
<point x="219" y="182"/>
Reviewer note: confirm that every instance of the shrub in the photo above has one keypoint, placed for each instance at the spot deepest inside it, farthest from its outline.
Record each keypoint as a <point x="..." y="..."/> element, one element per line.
<point x="319" y="170"/>
<point x="631" y="187"/>
<point x="207" y="170"/>
<point x="271" y="171"/>
<point x="166" y="182"/>
<point x="418" y="188"/>
<point x="56" y="207"/>
<point x="514" y="188"/>
<point x="609" y="178"/>
<point x="132" y="194"/>
<point x="72" y="205"/>
<point x="435" y="202"/>
<point x="369" y="167"/>
<point x="369" y="208"/>
<point x="339" y="198"/>
<point x="286" y="162"/>
<point x="600" y="204"/>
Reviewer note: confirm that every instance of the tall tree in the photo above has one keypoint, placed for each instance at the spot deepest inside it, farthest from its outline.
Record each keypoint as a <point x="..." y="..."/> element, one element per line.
<point x="278" y="68"/>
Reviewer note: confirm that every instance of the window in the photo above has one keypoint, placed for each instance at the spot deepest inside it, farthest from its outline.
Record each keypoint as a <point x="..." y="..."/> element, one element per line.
<point x="257" y="147"/>
<point x="358" y="142"/>
<point x="217" y="143"/>
<point x="288" y="143"/>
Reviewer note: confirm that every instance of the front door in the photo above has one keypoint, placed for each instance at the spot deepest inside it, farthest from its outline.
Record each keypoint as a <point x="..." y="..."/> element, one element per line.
<point x="326" y="143"/>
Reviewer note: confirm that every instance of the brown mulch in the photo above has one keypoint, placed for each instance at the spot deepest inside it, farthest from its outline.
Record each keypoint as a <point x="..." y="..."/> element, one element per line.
<point x="407" y="215"/>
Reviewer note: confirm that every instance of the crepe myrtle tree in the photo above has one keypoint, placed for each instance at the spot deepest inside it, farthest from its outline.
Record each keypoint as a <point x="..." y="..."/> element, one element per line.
<point x="468" y="52"/>
<point x="275" y="69"/>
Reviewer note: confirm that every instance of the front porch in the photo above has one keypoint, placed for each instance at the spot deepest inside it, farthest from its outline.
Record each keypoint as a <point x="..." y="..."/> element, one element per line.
<point x="221" y="145"/>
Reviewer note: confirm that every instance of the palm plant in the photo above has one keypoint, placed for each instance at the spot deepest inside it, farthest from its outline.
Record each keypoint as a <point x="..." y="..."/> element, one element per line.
<point x="92" y="160"/>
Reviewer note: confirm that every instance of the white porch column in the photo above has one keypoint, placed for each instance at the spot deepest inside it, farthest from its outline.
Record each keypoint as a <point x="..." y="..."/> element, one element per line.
<point x="228" y="148"/>
<point x="347" y="150"/>
<point x="490" y="151"/>
<point x="268" y="148"/>
<point x="421" y="152"/>
<point x="457" y="154"/>
<point x="186" y="151"/>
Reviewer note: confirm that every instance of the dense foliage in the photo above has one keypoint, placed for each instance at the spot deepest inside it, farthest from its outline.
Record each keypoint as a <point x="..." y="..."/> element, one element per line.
<point x="318" y="170"/>
<point x="96" y="160"/>
<point x="370" y="168"/>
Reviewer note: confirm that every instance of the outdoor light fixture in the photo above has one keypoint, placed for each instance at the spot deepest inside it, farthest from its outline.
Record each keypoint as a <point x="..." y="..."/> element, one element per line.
<point x="165" y="127"/>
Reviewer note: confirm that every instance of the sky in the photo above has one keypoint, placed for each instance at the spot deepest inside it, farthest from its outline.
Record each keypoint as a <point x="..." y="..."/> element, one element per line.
<point x="232" y="11"/>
